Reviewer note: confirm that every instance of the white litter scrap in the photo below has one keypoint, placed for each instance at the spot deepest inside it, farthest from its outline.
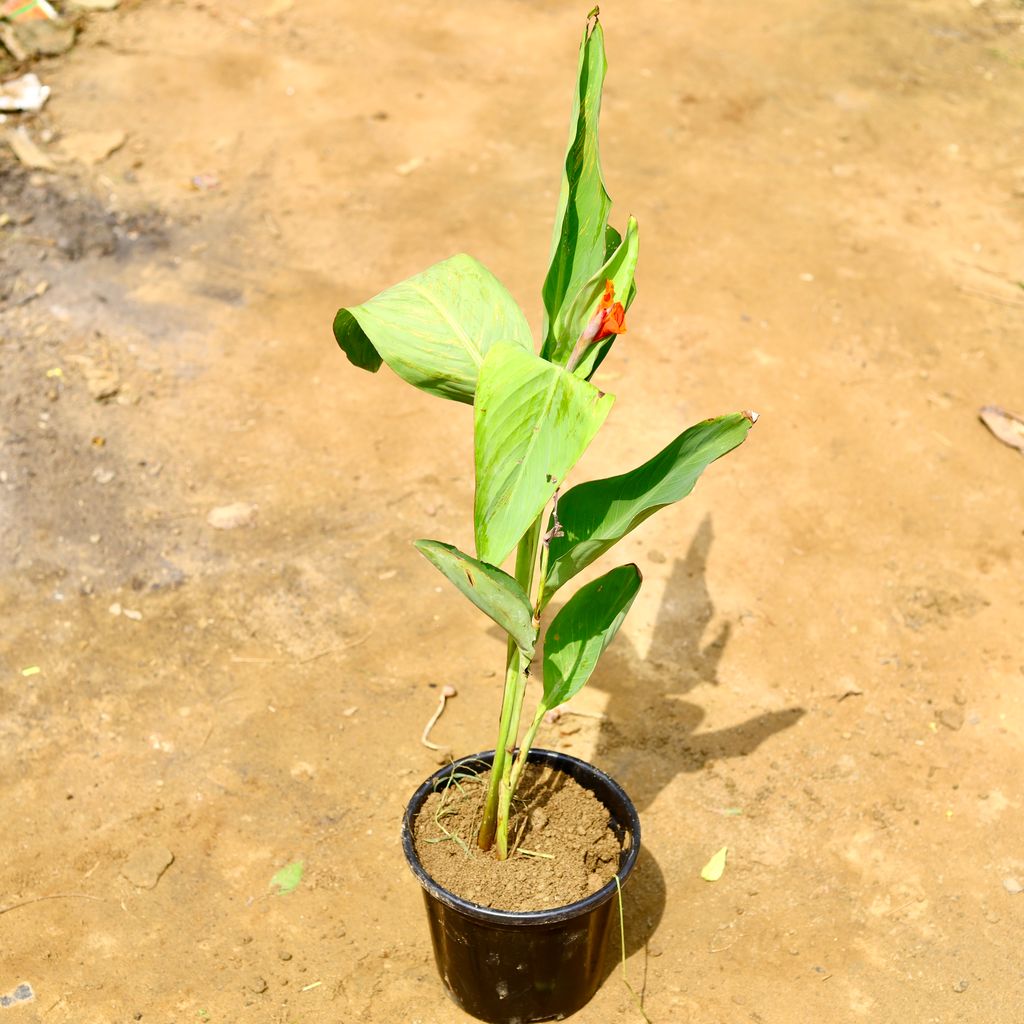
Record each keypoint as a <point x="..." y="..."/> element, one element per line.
<point x="28" y="153"/>
<point x="25" y="94"/>
<point x="1006" y="426"/>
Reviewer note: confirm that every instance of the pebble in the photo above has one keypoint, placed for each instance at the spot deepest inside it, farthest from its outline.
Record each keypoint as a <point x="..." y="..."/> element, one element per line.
<point x="229" y="517"/>
<point x="230" y="781"/>
<point x="92" y="147"/>
<point x="410" y="165"/>
<point x="1012" y="886"/>
<point x="285" y="955"/>
<point x="257" y="984"/>
<point x="961" y="985"/>
<point x="101" y="381"/>
<point x="951" y="718"/>
<point x="145" y="867"/>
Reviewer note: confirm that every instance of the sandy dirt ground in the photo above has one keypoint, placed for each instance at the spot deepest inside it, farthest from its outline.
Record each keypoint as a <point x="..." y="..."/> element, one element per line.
<point x="829" y="640"/>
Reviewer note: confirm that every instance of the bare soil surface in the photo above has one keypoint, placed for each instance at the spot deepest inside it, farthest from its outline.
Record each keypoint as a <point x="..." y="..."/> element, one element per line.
<point x="824" y="670"/>
<point x="562" y="848"/>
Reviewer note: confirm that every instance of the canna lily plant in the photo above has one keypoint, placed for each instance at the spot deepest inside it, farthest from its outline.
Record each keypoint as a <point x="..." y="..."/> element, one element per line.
<point x="455" y="332"/>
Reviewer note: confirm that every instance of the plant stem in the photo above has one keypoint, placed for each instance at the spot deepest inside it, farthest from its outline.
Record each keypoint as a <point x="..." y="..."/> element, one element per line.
<point x="507" y="786"/>
<point x="539" y="606"/>
<point x="512" y="699"/>
<point x="485" y="838"/>
<point x="524" y="747"/>
<point x="512" y="771"/>
<point x="531" y="734"/>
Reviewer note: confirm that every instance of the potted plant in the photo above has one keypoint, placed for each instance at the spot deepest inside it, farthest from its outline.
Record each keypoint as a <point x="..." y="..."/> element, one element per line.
<point x="455" y="331"/>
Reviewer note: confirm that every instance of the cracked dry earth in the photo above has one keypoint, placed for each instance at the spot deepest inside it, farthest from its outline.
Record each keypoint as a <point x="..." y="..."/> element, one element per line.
<point x="824" y="670"/>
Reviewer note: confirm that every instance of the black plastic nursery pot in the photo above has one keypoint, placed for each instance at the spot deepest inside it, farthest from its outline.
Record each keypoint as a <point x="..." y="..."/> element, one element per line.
<point x="506" y="967"/>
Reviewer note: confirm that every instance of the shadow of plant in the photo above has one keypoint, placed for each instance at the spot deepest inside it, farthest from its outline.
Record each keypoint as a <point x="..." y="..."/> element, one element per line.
<point x="650" y="733"/>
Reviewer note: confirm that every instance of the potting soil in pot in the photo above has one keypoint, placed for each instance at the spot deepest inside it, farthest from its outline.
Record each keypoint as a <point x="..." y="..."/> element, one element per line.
<point x="564" y="849"/>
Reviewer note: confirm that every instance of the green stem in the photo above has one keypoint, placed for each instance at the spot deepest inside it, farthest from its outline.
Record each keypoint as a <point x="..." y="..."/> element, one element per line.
<point x="512" y="769"/>
<point x="485" y="838"/>
<point x="524" y="747"/>
<point x="512" y="699"/>
<point x="507" y="786"/>
<point x="539" y="606"/>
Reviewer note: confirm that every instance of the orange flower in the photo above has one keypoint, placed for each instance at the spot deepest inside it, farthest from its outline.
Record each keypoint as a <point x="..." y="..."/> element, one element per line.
<point x="614" y="322"/>
<point x="610" y="317"/>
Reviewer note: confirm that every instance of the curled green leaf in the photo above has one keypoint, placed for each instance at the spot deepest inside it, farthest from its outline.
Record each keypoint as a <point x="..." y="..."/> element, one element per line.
<point x="578" y="242"/>
<point x="434" y="329"/>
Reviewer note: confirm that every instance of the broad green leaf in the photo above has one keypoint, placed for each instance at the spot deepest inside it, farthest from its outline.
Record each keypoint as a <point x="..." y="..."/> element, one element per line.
<point x="619" y="268"/>
<point x="582" y="629"/>
<point x="578" y="242"/>
<point x="715" y="868"/>
<point x="532" y="422"/>
<point x="288" y="878"/>
<point x="434" y="329"/>
<point x="494" y="592"/>
<point x="596" y="514"/>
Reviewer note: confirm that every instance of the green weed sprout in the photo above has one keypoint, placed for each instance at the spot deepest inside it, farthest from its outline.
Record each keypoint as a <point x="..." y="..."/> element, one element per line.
<point x="454" y="331"/>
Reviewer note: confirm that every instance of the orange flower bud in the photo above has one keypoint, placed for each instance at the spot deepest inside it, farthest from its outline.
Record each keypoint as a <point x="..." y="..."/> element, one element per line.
<point x="612" y="313"/>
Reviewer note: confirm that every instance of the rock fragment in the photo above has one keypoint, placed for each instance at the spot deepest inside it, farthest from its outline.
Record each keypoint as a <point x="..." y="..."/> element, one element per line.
<point x="145" y="867"/>
<point x="229" y="517"/>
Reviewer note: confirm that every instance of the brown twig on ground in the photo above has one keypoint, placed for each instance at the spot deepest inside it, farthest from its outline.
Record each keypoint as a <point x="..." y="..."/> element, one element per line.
<point x="53" y="896"/>
<point x="446" y="692"/>
<point x="981" y="293"/>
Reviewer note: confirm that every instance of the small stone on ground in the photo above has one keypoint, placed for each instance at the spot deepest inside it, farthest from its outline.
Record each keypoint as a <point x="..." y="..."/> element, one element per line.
<point x="145" y="867"/>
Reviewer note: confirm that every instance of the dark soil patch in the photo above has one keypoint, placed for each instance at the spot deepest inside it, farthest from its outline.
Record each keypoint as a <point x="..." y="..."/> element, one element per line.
<point x="564" y="848"/>
<point x="44" y="218"/>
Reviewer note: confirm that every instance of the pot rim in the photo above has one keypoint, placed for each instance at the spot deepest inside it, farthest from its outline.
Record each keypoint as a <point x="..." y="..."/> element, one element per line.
<point x="556" y="759"/>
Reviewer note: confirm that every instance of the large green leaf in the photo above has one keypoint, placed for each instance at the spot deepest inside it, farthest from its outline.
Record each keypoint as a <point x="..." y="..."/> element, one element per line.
<point x="582" y="629"/>
<point x="434" y="329"/>
<point x="578" y="241"/>
<point x="594" y="515"/>
<point x="494" y="592"/>
<point x="619" y="268"/>
<point x="532" y="422"/>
